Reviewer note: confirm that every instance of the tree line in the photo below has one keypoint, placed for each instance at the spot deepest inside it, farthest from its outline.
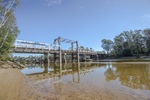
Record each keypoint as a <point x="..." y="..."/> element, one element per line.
<point x="128" y="44"/>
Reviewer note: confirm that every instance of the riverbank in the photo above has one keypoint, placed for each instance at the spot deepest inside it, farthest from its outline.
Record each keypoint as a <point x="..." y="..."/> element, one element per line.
<point x="14" y="85"/>
<point x="11" y="84"/>
<point x="9" y="64"/>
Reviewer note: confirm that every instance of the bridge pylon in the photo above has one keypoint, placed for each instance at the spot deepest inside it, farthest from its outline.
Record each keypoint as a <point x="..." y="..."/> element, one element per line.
<point x="46" y="58"/>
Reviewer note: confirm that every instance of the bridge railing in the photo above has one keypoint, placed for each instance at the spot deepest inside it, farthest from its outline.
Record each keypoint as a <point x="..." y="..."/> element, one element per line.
<point x="31" y="45"/>
<point x="21" y="44"/>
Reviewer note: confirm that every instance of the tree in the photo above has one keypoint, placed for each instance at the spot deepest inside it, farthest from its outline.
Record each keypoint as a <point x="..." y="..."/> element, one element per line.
<point x="6" y="9"/>
<point x="8" y="29"/>
<point x="91" y="49"/>
<point x="107" y="45"/>
<point x="87" y="48"/>
<point x="137" y="42"/>
<point x="6" y="6"/>
<point x="123" y="44"/>
<point x="146" y="39"/>
<point x="118" y="45"/>
<point x="82" y="47"/>
<point x="129" y="43"/>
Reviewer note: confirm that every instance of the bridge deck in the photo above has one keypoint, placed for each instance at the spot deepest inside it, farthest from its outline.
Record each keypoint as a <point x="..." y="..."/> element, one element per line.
<point x="51" y="51"/>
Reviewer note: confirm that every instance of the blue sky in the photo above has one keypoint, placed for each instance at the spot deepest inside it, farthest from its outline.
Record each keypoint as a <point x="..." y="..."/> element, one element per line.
<point x="88" y="21"/>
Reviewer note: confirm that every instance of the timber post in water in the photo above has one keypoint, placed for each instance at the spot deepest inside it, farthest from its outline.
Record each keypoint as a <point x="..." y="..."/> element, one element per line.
<point x="60" y="54"/>
<point x="72" y="55"/>
<point x="77" y="46"/>
<point x="46" y="58"/>
<point x="46" y="68"/>
<point x="75" y="56"/>
<point x="97" y="58"/>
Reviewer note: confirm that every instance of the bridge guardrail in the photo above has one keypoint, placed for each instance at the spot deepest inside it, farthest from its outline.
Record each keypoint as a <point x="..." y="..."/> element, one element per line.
<point x="20" y="44"/>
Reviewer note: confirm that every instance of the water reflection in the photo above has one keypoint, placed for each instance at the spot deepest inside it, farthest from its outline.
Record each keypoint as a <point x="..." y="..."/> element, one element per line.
<point x="55" y="72"/>
<point x="136" y="76"/>
<point x="95" y="80"/>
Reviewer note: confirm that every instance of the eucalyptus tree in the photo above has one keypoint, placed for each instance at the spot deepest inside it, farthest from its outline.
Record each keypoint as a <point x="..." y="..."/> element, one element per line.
<point x="107" y="45"/>
<point x="6" y="43"/>
<point x="6" y="7"/>
<point x="146" y="33"/>
<point x="118" y="45"/>
<point x="82" y="47"/>
<point x="91" y="49"/>
<point x="137" y="42"/>
<point x="127" y="43"/>
<point x="87" y="48"/>
<point x="8" y="27"/>
<point x="6" y="18"/>
<point x="127" y="37"/>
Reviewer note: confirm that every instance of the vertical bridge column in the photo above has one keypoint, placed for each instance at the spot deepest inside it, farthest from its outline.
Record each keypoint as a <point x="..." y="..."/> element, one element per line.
<point x="77" y="50"/>
<point x="46" y="58"/>
<point x="65" y="58"/>
<point x="78" y="57"/>
<point x="60" y="55"/>
<point x="97" y="57"/>
<point x="54" y="44"/>
<point x="72" y="55"/>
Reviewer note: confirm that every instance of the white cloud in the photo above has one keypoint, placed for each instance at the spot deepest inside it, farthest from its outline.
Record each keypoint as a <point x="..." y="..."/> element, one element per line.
<point x="53" y="2"/>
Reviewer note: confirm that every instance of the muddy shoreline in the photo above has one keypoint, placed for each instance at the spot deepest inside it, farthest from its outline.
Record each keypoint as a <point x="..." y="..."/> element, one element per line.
<point x="14" y="85"/>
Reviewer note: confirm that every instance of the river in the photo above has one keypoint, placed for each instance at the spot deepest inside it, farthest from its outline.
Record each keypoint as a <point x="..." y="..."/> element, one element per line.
<point x="92" y="81"/>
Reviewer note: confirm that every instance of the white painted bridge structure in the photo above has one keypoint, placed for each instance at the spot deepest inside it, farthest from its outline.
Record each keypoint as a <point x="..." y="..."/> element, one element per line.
<point x="22" y="46"/>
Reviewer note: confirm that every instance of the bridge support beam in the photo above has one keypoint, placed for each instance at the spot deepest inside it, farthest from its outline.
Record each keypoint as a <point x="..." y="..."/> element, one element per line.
<point x="46" y="68"/>
<point x="60" y="55"/>
<point x="77" y="46"/>
<point x="65" y="59"/>
<point x="97" y="58"/>
<point x="75" y="55"/>
<point x="78" y="56"/>
<point x="60" y="61"/>
<point x="72" y="55"/>
<point x="46" y="58"/>
<point x="84" y="57"/>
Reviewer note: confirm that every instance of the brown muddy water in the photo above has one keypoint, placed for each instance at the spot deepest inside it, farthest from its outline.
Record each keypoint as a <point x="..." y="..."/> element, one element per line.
<point x="92" y="81"/>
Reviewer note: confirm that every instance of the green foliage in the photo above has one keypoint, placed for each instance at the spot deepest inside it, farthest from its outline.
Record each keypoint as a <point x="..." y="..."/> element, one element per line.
<point x="8" y="31"/>
<point x="107" y="45"/>
<point x="8" y="44"/>
<point x="129" y="43"/>
<point x="146" y="33"/>
<point x="82" y="47"/>
<point x="127" y="53"/>
<point x="85" y="48"/>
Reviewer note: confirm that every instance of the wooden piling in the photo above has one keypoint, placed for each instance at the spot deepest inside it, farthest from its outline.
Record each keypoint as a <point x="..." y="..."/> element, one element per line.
<point x="60" y="55"/>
